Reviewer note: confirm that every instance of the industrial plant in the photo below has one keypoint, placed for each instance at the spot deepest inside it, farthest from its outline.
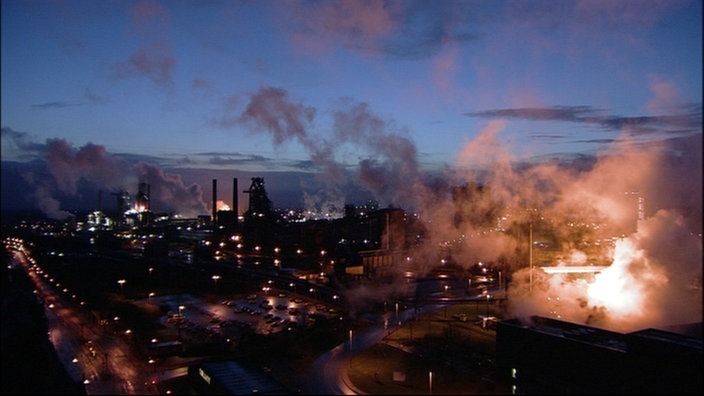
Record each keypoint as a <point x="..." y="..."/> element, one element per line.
<point x="225" y="303"/>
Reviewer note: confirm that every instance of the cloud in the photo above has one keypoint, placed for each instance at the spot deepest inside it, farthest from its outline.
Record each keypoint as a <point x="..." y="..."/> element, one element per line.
<point x="155" y="62"/>
<point x="67" y="170"/>
<point x="18" y="145"/>
<point x="666" y="96"/>
<point x="155" y="59"/>
<point x="398" y="29"/>
<point x="52" y="105"/>
<point x="686" y="122"/>
<point x="388" y="163"/>
<point x="94" y="98"/>
<point x="270" y="109"/>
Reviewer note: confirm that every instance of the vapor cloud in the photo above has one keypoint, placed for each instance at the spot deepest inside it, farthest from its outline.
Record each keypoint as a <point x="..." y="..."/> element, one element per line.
<point x="68" y="168"/>
<point x="390" y="170"/>
<point x="484" y="219"/>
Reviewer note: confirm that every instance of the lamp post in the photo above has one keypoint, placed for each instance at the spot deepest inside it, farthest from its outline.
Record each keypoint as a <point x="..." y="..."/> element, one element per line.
<point x="215" y="280"/>
<point x="121" y="282"/>
<point x="430" y="382"/>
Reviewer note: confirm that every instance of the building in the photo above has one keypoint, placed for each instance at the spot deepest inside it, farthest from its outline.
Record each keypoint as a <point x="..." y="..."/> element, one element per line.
<point x="548" y="356"/>
<point x="232" y="378"/>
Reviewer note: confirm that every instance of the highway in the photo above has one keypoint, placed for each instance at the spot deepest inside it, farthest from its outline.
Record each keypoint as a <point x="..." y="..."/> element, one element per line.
<point x="102" y="361"/>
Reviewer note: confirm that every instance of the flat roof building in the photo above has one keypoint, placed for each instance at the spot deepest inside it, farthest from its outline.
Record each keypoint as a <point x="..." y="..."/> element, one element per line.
<point x="232" y="378"/>
<point x="549" y="356"/>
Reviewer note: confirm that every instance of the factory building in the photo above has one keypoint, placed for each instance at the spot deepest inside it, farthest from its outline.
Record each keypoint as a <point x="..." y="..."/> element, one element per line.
<point x="232" y="378"/>
<point x="548" y="356"/>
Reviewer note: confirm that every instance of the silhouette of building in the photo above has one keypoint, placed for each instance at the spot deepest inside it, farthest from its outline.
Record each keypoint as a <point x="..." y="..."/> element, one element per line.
<point x="548" y="356"/>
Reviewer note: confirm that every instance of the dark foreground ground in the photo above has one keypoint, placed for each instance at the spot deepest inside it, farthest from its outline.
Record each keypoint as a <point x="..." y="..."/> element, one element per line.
<point x="30" y="365"/>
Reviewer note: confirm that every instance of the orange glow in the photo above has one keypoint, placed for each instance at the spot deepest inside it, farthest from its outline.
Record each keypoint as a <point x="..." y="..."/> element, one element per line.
<point x="615" y="288"/>
<point x="221" y="205"/>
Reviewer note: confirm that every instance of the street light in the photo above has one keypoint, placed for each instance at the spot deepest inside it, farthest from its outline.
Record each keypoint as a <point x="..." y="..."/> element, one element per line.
<point x="122" y="285"/>
<point x="430" y="382"/>
<point x="215" y="280"/>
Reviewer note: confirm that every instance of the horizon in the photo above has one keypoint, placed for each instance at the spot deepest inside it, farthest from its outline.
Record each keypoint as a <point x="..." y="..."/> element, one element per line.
<point x="345" y="101"/>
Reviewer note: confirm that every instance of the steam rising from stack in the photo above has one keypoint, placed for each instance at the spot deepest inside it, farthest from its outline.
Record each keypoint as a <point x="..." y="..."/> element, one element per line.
<point x="668" y="173"/>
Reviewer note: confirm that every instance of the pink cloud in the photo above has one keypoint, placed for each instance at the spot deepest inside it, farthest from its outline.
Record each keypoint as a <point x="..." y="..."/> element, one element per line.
<point x="666" y="95"/>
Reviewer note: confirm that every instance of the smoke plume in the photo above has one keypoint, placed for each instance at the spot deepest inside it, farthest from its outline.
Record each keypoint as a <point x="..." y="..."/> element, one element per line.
<point x="70" y="168"/>
<point x="634" y="208"/>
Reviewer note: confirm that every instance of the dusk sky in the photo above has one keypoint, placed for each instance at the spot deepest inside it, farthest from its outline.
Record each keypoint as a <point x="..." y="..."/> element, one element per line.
<point x="328" y="86"/>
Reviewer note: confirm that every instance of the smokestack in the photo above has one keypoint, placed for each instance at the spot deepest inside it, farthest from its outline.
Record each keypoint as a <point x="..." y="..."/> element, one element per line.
<point x="235" y="202"/>
<point x="215" y="198"/>
<point x="149" y="195"/>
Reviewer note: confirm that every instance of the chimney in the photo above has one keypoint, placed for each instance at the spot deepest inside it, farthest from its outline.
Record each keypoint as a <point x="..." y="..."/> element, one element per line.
<point x="215" y="198"/>
<point x="235" y="202"/>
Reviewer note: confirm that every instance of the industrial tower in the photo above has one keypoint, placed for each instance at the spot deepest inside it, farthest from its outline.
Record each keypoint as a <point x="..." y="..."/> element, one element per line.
<point x="259" y="203"/>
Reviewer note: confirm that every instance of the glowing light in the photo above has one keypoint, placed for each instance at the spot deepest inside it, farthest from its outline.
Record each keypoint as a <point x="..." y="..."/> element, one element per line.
<point x="615" y="288"/>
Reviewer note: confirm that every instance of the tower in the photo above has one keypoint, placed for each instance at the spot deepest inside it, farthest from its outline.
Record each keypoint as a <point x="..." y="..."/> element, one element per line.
<point x="215" y="200"/>
<point x="259" y="203"/>
<point x="142" y="199"/>
<point x="235" y="200"/>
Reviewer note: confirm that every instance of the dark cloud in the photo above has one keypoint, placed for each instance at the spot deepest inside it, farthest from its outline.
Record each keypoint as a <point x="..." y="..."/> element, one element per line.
<point x="19" y="145"/>
<point x="94" y="98"/>
<point x="52" y="105"/>
<point x="687" y="122"/>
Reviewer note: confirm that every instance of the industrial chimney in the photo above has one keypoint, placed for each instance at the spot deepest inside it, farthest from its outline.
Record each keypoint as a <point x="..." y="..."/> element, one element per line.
<point x="235" y="202"/>
<point x="215" y="198"/>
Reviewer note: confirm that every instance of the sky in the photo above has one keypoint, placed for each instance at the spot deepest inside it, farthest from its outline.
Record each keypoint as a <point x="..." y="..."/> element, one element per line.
<point x="333" y="87"/>
<point x="582" y="110"/>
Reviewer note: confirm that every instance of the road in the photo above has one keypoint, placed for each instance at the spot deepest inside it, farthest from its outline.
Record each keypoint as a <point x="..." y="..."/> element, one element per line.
<point x="329" y="372"/>
<point x="102" y="361"/>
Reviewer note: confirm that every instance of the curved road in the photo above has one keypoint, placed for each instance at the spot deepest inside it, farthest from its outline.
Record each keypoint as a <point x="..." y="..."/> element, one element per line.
<point x="329" y="372"/>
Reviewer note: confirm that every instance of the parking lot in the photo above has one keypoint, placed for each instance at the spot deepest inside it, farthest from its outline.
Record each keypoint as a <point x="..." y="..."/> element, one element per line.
<point x="196" y="321"/>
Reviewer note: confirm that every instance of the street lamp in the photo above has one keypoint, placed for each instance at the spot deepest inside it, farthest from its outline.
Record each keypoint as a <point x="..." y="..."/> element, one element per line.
<point x="150" y="296"/>
<point x="122" y="284"/>
<point x="430" y="382"/>
<point x="215" y="280"/>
